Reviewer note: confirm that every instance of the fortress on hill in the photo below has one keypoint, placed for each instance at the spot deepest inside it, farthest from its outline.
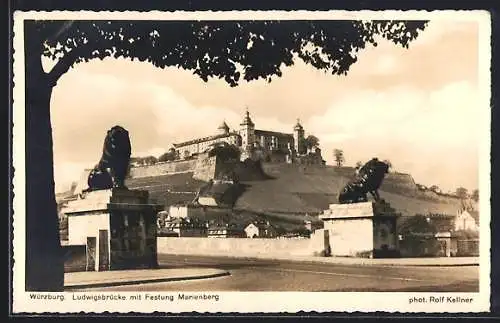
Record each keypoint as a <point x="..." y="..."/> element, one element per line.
<point x="254" y="143"/>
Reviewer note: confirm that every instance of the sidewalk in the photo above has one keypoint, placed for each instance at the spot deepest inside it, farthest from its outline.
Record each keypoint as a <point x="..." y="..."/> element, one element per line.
<point x="91" y="279"/>
<point x="441" y="261"/>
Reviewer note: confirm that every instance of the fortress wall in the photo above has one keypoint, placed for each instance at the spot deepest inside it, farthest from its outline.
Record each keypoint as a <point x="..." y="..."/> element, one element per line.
<point x="203" y="168"/>
<point x="240" y="247"/>
<point x="163" y="168"/>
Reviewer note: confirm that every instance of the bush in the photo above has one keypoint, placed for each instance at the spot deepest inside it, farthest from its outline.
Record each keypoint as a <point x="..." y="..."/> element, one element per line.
<point x="225" y="152"/>
<point x="168" y="156"/>
<point x="418" y="246"/>
<point x="466" y="234"/>
<point x="417" y="224"/>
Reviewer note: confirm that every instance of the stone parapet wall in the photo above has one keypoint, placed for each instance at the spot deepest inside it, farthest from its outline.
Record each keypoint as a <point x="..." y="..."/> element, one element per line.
<point x="239" y="247"/>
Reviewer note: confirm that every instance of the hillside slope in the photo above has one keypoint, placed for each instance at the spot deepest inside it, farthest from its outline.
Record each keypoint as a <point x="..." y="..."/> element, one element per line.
<point x="310" y="189"/>
<point x="295" y="190"/>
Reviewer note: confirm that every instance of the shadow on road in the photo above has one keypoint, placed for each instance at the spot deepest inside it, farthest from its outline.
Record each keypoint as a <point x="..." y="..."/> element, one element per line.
<point x="225" y="265"/>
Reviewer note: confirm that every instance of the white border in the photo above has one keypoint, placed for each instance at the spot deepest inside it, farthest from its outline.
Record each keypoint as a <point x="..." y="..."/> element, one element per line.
<point x="243" y="301"/>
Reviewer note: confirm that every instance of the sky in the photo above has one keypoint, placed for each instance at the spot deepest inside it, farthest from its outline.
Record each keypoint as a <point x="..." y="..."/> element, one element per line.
<point x="416" y="107"/>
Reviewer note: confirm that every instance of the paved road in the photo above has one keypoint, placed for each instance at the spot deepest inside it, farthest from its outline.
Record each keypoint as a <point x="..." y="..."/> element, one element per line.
<point x="271" y="275"/>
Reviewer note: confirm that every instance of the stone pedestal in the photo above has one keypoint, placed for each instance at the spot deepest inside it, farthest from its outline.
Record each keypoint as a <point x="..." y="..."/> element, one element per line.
<point x="366" y="229"/>
<point x="118" y="227"/>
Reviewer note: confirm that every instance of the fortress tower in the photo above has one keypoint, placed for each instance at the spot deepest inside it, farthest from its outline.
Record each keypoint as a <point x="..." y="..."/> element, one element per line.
<point x="298" y="138"/>
<point x="223" y="129"/>
<point x="247" y="133"/>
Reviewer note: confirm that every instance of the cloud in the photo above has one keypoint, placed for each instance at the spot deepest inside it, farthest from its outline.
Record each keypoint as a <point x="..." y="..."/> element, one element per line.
<point x="436" y="30"/>
<point x="429" y="134"/>
<point x="363" y="112"/>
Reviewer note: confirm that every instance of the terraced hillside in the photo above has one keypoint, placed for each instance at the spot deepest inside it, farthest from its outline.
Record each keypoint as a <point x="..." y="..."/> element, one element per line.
<point x="168" y="189"/>
<point x="291" y="191"/>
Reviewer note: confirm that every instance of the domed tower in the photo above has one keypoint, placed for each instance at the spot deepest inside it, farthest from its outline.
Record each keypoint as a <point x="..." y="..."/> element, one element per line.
<point x="247" y="133"/>
<point x="223" y="129"/>
<point x="298" y="138"/>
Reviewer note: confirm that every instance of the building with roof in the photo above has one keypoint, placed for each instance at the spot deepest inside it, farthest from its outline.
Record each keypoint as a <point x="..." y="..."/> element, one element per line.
<point x="199" y="145"/>
<point x="225" y="230"/>
<point x="466" y="220"/>
<point x="184" y="227"/>
<point x="258" y="229"/>
<point x="249" y="140"/>
<point x="198" y="211"/>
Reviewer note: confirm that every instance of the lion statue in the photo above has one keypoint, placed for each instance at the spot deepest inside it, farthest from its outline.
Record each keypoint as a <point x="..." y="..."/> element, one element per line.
<point x="368" y="180"/>
<point x="112" y="168"/>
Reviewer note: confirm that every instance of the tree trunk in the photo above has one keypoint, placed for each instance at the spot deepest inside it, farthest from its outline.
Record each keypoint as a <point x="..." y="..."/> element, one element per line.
<point x="44" y="258"/>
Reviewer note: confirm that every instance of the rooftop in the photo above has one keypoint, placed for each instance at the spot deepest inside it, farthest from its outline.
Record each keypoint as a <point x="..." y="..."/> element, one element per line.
<point x="247" y="121"/>
<point x="272" y="133"/>
<point x="209" y="138"/>
<point x="224" y="126"/>
<point x="260" y="224"/>
<point x="298" y="126"/>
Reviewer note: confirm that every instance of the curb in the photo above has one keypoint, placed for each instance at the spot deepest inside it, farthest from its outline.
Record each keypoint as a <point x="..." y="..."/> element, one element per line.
<point x="392" y="264"/>
<point x="143" y="281"/>
<point x="323" y="260"/>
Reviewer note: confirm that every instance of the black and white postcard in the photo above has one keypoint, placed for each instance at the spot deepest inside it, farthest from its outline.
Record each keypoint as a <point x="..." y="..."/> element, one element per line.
<point x="251" y="161"/>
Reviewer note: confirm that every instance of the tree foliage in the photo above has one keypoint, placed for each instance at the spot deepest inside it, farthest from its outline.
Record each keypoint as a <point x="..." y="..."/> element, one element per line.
<point x="435" y="189"/>
<point x="338" y="154"/>
<point x="418" y="237"/>
<point x="225" y="152"/>
<point x="230" y="50"/>
<point x="475" y="195"/>
<point x="143" y="161"/>
<point x="462" y="193"/>
<point x="417" y="224"/>
<point x="311" y="142"/>
<point x="170" y="155"/>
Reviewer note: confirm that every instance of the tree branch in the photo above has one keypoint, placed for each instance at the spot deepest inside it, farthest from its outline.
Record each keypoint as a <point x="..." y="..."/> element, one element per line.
<point x="63" y="65"/>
